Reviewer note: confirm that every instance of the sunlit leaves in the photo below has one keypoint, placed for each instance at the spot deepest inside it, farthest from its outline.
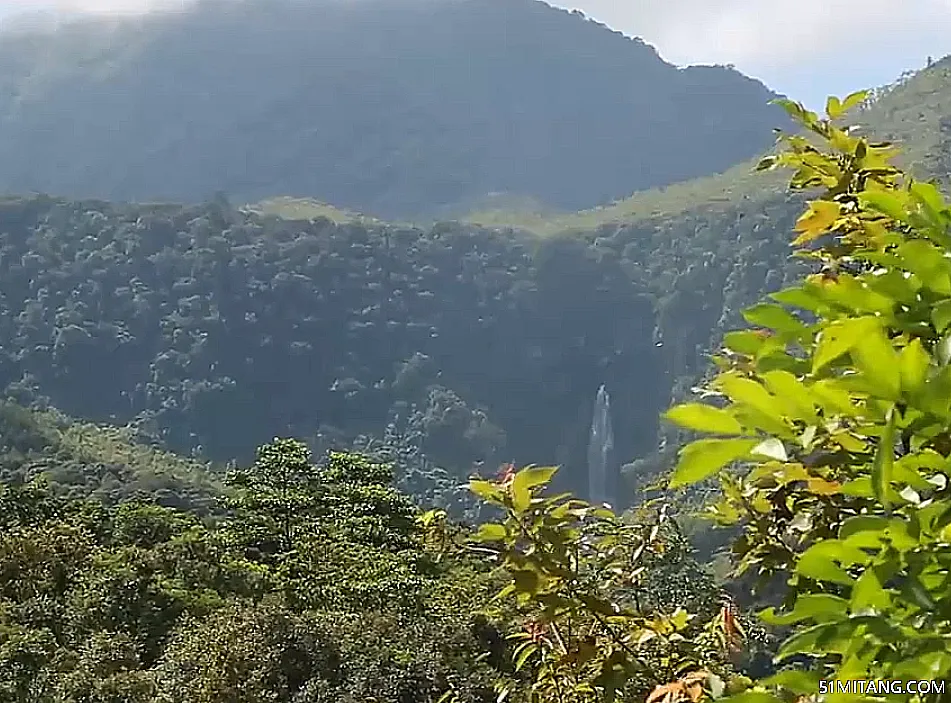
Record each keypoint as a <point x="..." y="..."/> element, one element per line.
<point x="839" y="338"/>
<point x="777" y="318"/>
<point x="855" y="429"/>
<point x="874" y="355"/>
<point x="820" y="217"/>
<point x="704" y="418"/>
<point x="703" y="458"/>
<point x="883" y="463"/>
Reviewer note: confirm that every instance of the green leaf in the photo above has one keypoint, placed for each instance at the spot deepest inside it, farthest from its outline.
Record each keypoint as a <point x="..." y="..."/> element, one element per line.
<point x="797" y="681"/>
<point x="941" y="316"/>
<point x="868" y="596"/>
<point x="890" y="203"/>
<point x="853" y="99"/>
<point x="915" y="591"/>
<point x="820" y="561"/>
<point x="793" y="392"/>
<point x="521" y="494"/>
<point x="703" y="458"/>
<point x="874" y="355"/>
<point x="913" y="365"/>
<point x="943" y="350"/>
<point x="748" y="392"/>
<point x="864" y="530"/>
<point x="833" y="107"/>
<point x="807" y="641"/>
<point x="820" y="607"/>
<point x="532" y="476"/>
<point x="928" y="263"/>
<point x="490" y="532"/>
<point x="749" y="342"/>
<point x="805" y="298"/>
<point x="838" y="338"/>
<point x="775" y="317"/>
<point x="485" y="490"/>
<point x="884" y="460"/>
<point x="704" y="418"/>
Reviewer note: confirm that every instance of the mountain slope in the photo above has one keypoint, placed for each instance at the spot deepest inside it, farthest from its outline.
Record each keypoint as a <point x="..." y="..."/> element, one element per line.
<point x="444" y="346"/>
<point x="394" y="108"/>
<point x="915" y="111"/>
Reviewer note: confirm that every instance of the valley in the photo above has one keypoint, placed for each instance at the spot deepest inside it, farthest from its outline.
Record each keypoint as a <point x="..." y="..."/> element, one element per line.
<point x="307" y="352"/>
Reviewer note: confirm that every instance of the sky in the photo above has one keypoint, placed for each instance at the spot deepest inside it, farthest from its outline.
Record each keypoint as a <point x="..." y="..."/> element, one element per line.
<point x="807" y="49"/>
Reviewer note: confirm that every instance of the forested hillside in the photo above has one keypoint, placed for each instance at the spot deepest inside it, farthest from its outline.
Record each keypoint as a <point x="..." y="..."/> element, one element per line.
<point x="218" y="330"/>
<point x="451" y="347"/>
<point x="394" y="108"/>
<point x="313" y="579"/>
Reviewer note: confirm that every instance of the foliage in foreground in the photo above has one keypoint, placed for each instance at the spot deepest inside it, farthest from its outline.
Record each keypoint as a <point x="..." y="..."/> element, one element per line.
<point x="837" y="410"/>
<point x="609" y="607"/>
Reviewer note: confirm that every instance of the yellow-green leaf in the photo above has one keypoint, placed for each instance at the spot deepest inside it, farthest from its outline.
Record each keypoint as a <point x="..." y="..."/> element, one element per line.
<point x="794" y="394"/>
<point x="704" y="418"/>
<point x="490" y="532"/>
<point x="817" y="220"/>
<point x="853" y="99"/>
<point x="833" y="107"/>
<point x="883" y="463"/>
<point x="748" y="392"/>
<point x="941" y="315"/>
<point x="775" y="317"/>
<point x="913" y="363"/>
<point x="890" y="203"/>
<point x="705" y="457"/>
<point x="838" y="338"/>
<point x="532" y="476"/>
<point x="928" y="263"/>
<point x="485" y="490"/>
<point x="874" y="355"/>
<point x="521" y="494"/>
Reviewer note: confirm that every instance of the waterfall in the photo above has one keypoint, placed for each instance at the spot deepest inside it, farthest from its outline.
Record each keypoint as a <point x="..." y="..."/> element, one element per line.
<point x="600" y="452"/>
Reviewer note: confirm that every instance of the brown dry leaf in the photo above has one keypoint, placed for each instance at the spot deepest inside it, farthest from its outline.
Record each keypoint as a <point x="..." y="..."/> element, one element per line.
<point x="687" y="688"/>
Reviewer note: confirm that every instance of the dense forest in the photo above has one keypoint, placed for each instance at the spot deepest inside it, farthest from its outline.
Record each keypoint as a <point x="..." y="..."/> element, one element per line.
<point x="376" y="106"/>
<point x="216" y="330"/>
<point x="212" y="328"/>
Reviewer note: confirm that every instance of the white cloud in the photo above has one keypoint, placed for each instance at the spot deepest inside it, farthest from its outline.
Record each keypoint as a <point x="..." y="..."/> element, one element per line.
<point x="772" y="32"/>
<point x="120" y="6"/>
<point x="804" y="48"/>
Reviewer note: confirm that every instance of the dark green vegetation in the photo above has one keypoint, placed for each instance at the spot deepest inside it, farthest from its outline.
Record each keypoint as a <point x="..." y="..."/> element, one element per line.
<point x="207" y="327"/>
<point x="318" y="588"/>
<point x="377" y="106"/>
<point x="312" y="584"/>
<point x="210" y="327"/>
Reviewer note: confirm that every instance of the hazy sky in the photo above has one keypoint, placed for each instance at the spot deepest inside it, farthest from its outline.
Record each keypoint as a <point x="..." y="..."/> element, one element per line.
<point x="805" y="48"/>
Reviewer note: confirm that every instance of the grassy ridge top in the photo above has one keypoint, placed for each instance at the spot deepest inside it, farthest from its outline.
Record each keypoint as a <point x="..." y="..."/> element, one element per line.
<point x="914" y="111"/>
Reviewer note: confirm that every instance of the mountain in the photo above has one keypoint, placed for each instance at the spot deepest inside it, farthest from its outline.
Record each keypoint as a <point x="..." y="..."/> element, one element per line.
<point x="447" y="347"/>
<point x="395" y="108"/>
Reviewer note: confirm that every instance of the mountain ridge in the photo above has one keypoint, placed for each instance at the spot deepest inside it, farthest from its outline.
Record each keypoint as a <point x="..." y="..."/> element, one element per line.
<point x="375" y="107"/>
